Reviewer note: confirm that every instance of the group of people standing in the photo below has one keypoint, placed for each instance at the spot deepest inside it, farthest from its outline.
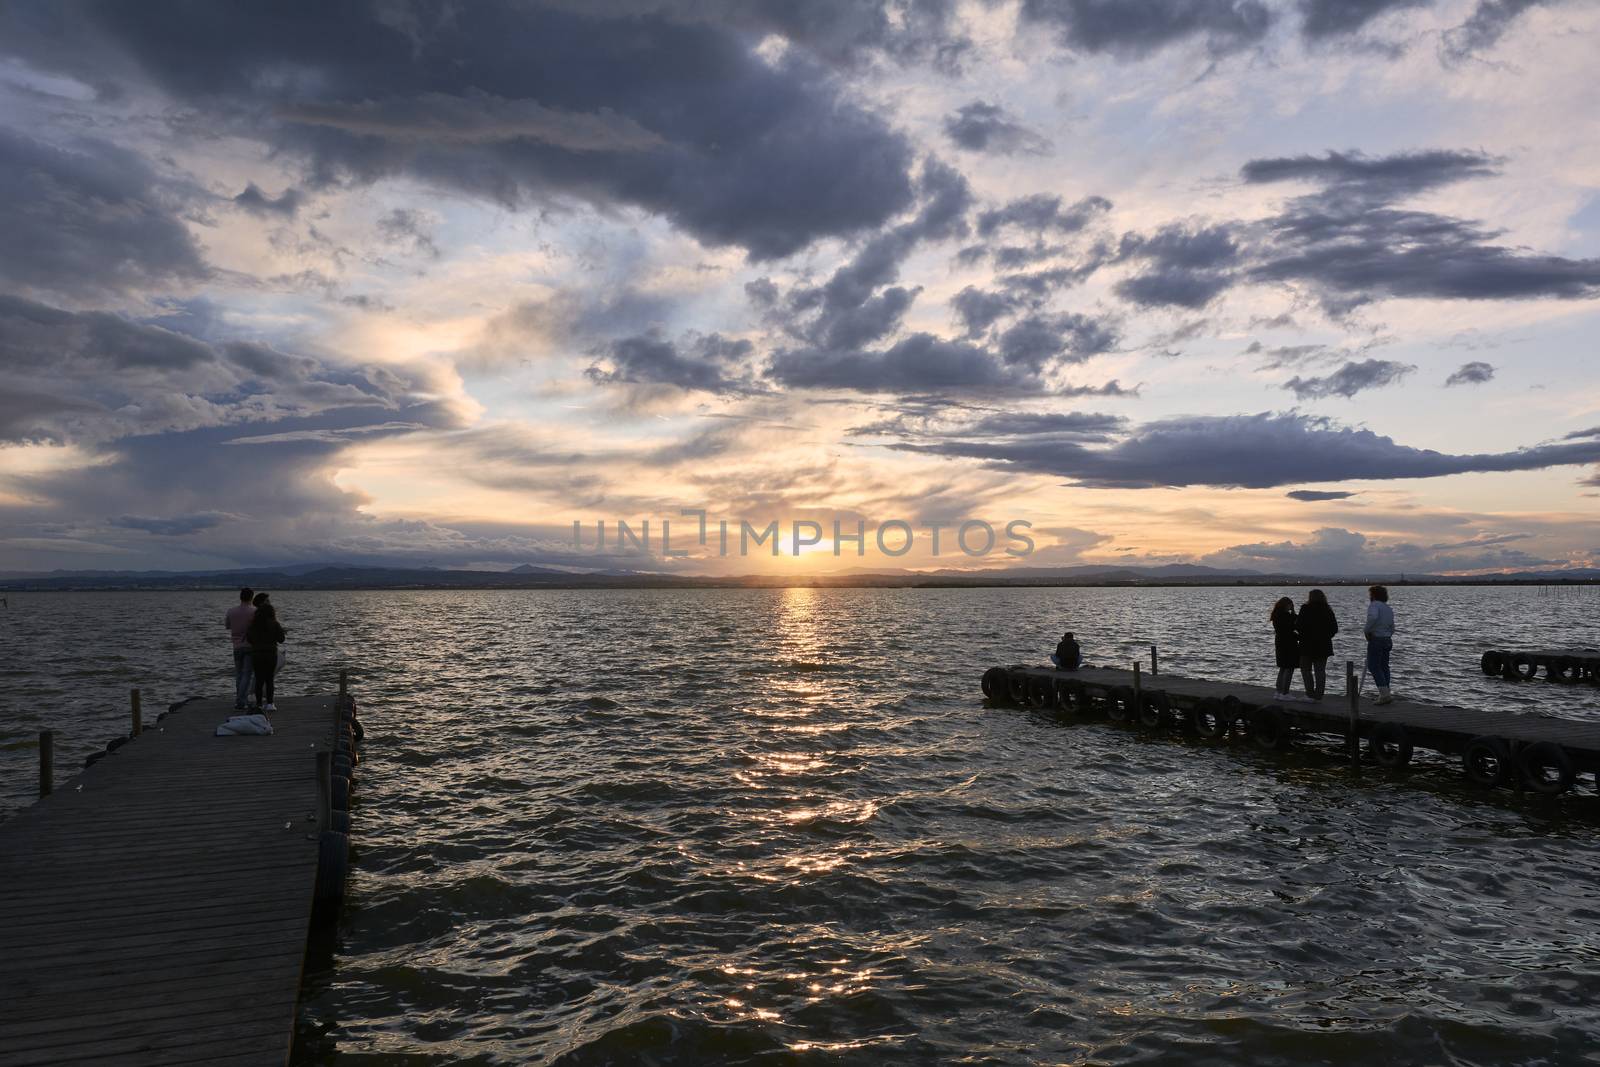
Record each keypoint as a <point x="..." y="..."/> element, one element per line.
<point x="1303" y="641"/>
<point x="253" y="626"/>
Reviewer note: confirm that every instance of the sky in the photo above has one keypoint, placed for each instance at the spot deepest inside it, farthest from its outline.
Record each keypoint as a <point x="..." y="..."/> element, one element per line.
<point x="1278" y="285"/>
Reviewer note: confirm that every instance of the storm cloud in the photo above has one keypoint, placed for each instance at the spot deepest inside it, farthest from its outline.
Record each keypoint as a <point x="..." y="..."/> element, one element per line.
<point x="95" y="377"/>
<point x="90" y="222"/>
<point x="1351" y="243"/>
<point x="514" y="103"/>
<point x="1258" y="451"/>
<point x="1136" y="28"/>
<point x="985" y="127"/>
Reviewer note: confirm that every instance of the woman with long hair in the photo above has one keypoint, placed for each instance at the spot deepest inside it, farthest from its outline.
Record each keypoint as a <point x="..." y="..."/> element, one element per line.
<point x="264" y="636"/>
<point x="1317" y="626"/>
<point x="1285" y="644"/>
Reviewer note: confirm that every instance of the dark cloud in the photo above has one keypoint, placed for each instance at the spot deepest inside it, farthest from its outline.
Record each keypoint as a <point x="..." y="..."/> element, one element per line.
<point x="98" y="377"/>
<point x="762" y="292"/>
<point x="844" y="32"/>
<point x="712" y="363"/>
<point x="1111" y="388"/>
<point x="1033" y="287"/>
<point x="985" y="127"/>
<point x="1313" y="495"/>
<point x="918" y="363"/>
<point x="516" y="103"/>
<point x="859" y="305"/>
<point x="1041" y="339"/>
<point x="979" y="309"/>
<point x="1042" y="213"/>
<point x="1321" y="19"/>
<point x="1474" y="373"/>
<point x="89" y="221"/>
<point x="1136" y="28"/>
<point x="260" y="204"/>
<point x="1241" y="451"/>
<point x="1350" y="379"/>
<point x="1077" y="425"/>
<point x="1173" y="288"/>
<point x="1183" y="266"/>
<point x="1380" y="177"/>
<point x="1483" y="29"/>
<point x="174" y="525"/>
<point x="1350" y="244"/>
<point x="1010" y="257"/>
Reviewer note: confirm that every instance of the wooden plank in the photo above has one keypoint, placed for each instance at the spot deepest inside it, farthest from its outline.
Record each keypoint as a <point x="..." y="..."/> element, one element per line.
<point x="176" y="873"/>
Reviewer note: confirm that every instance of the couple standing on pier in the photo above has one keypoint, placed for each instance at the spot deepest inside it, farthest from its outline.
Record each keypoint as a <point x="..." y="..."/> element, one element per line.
<point x="1305" y="641"/>
<point x="253" y="626"/>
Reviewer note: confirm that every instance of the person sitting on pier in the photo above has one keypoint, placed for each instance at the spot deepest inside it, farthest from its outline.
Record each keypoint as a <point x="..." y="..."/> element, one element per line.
<point x="1285" y="645"/>
<point x="1380" y="640"/>
<point x="237" y="621"/>
<point x="1317" y="625"/>
<point x="1067" y="655"/>
<point x="265" y="635"/>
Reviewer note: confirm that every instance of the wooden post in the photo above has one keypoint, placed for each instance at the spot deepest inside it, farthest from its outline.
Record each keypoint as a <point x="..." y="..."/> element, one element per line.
<point x="344" y="682"/>
<point x="1355" y="711"/>
<point x="324" y="790"/>
<point x="1155" y="663"/>
<point x="47" y="761"/>
<point x="138" y="714"/>
<point x="1138" y="698"/>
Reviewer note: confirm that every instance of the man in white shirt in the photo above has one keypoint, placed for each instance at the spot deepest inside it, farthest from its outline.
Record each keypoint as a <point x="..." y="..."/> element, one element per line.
<point x="1380" y="640"/>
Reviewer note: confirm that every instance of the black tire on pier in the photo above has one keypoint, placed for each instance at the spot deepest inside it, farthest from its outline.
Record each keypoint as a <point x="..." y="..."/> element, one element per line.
<point x="1493" y="662"/>
<point x="994" y="683"/>
<point x="1568" y="669"/>
<point x="1269" y="729"/>
<point x="1155" y="710"/>
<point x="1487" y="761"/>
<point x="1545" y="768"/>
<point x="1591" y="670"/>
<point x="1016" y="687"/>
<point x="333" y="864"/>
<point x="1042" y="691"/>
<point x="1119" y="703"/>
<point x="1522" y="667"/>
<point x="1233" y="711"/>
<point x="1069" y="695"/>
<point x="341" y="793"/>
<point x="1209" y="719"/>
<point x="1390" y="746"/>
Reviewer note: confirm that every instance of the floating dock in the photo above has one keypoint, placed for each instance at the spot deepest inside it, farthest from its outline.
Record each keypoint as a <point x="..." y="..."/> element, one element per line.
<point x="1569" y="666"/>
<point x="155" y="908"/>
<point x="1543" y="754"/>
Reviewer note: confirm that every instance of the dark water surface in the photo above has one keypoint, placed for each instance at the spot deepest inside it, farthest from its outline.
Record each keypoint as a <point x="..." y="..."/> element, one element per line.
<point x="781" y="827"/>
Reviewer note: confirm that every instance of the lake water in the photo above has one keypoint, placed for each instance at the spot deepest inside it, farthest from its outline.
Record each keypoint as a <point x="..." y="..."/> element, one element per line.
<point x="780" y="826"/>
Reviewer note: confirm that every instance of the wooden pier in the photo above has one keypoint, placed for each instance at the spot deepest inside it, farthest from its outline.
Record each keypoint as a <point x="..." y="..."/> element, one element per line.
<point x="1568" y="666"/>
<point x="1539" y="753"/>
<point x="155" y="908"/>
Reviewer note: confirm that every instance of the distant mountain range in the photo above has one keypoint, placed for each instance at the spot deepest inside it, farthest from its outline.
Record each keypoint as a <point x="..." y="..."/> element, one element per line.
<point x="528" y="576"/>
